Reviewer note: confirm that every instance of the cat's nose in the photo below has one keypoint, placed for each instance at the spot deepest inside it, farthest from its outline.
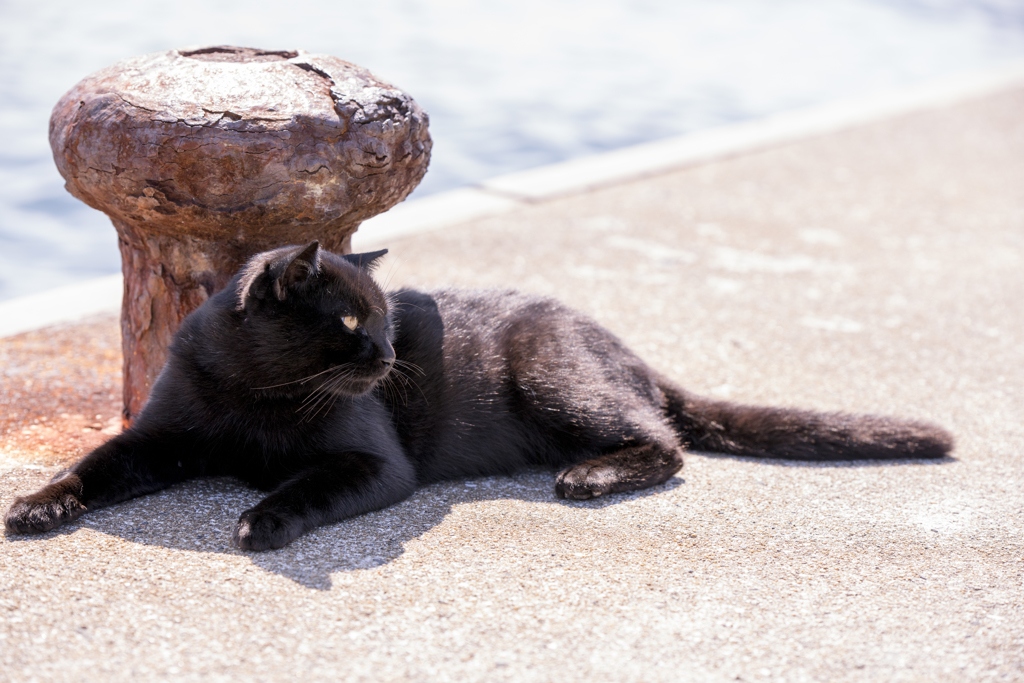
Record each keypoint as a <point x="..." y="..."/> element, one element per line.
<point x="387" y="355"/>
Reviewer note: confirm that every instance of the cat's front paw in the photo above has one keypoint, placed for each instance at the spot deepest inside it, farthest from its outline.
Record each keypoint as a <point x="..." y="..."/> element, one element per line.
<point x="265" y="530"/>
<point x="585" y="480"/>
<point x="55" y="504"/>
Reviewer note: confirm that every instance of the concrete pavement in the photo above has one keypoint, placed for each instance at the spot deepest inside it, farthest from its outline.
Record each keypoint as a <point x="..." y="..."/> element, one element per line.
<point x="880" y="269"/>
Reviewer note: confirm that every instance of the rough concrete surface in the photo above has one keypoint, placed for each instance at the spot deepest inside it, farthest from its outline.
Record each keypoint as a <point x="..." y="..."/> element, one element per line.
<point x="875" y="270"/>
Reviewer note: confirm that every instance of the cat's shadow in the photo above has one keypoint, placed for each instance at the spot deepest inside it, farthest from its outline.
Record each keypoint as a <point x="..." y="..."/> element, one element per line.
<point x="200" y="515"/>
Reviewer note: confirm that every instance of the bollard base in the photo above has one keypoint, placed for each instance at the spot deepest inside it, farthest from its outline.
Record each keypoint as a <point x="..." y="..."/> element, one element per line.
<point x="165" y="279"/>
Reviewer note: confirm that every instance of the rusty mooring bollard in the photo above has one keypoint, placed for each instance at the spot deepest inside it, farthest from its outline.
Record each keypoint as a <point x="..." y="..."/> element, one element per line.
<point x="204" y="157"/>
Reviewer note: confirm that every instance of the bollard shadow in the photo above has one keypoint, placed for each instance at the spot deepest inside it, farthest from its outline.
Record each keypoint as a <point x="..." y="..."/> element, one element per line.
<point x="200" y="515"/>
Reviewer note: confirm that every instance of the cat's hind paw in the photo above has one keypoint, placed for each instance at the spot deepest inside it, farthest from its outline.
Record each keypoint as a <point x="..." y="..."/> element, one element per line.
<point x="585" y="480"/>
<point x="55" y="504"/>
<point x="628" y="469"/>
<point x="265" y="530"/>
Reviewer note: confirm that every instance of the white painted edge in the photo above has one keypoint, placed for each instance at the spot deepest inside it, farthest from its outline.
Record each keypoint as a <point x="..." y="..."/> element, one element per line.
<point x="439" y="210"/>
<point x="61" y="305"/>
<point x="587" y="173"/>
<point x="515" y="190"/>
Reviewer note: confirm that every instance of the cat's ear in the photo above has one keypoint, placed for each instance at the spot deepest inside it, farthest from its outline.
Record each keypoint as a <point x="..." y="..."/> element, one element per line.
<point x="255" y="281"/>
<point x="273" y="272"/>
<point x="367" y="261"/>
<point x="304" y="265"/>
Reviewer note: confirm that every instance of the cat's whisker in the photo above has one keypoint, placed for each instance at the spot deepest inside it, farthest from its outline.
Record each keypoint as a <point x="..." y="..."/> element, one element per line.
<point x="391" y="389"/>
<point x="392" y="392"/>
<point x="315" y="395"/>
<point x="390" y="275"/>
<point x="321" y="392"/>
<point x="330" y="406"/>
<point x="335" y="395"/>
<point x="311" y="414"/>
<point x="411" y="366"/>
<point x="326" y="394"/>
<point x="313" y="403"/>
<point x="387" y="389"/>
<point x="336" y="370"/>
<point x="310" y="411"/>
<point x="406" y="379"/>
<point x="303" y="379"/>
<point x="405" y="399"/>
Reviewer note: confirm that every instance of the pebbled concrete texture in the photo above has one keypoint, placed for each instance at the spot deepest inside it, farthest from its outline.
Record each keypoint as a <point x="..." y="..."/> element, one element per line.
<point x="879" y="269"/>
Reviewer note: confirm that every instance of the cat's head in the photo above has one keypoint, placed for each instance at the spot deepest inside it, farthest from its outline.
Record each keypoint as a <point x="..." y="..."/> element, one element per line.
<point x="313" y="322"/>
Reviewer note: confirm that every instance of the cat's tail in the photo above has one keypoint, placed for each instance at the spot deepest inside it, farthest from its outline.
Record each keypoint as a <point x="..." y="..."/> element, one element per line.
<point x="722" y="427"/>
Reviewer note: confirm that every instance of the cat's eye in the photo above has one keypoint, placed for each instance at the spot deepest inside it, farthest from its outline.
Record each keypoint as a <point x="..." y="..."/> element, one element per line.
<point x="351" y="322"/>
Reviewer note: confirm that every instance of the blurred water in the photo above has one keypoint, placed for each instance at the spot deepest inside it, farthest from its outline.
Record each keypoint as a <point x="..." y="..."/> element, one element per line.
<point x="508" y="85"/>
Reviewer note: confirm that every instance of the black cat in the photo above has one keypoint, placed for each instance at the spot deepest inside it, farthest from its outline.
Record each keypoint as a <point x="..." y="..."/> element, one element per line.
<point x="305" y="379"/>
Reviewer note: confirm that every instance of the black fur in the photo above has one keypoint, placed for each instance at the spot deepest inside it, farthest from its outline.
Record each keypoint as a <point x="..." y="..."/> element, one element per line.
<point x="266" y="382"/>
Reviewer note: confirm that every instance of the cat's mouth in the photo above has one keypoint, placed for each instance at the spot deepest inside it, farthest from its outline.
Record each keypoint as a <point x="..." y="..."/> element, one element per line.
<point x="342" y="382"/>
<point x="358" y="383"/>
<point x="356" y="387"/>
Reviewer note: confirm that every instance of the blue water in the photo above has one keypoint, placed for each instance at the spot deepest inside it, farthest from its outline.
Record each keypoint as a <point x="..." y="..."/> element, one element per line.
<point x="508" y="86"/>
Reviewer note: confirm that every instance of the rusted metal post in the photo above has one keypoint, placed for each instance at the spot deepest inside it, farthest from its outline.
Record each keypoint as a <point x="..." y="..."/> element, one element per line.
<point x="203" y="157"/>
